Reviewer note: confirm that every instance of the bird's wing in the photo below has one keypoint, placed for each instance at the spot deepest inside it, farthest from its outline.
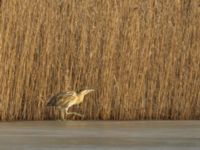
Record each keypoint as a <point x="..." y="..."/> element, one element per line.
<point x="61" y="98"/>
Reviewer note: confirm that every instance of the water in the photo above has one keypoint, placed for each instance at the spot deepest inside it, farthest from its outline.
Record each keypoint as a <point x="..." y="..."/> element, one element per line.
<point x="98" y="135"/>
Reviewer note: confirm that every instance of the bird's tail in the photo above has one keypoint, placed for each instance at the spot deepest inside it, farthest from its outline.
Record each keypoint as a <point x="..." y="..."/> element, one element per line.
<point x="50" y="102"/>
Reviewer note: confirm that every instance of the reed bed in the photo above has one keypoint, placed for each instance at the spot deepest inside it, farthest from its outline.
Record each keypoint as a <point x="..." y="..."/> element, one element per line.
<point x="141" y="56"/>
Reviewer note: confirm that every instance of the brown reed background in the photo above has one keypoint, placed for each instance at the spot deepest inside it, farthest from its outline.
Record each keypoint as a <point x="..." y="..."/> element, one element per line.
<point x="141" y="56"/>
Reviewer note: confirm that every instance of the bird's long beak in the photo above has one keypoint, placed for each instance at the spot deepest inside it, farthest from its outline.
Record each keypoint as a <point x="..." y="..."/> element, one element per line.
<point x="91" y="90"/>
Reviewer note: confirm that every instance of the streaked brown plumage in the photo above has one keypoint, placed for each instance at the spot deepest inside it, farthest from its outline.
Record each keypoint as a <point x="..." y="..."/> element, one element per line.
<point x="64" y="100"/>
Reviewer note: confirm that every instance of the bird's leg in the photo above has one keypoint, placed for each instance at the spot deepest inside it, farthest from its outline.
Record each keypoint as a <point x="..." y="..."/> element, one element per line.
<point x="66" y="110"/>
<point x="62" y="114"/>
<point x="75" y="113"/>
<point x="72" y="113"/>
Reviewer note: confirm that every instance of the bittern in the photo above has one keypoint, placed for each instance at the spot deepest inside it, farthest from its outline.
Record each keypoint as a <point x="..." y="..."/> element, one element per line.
<point x="64" y="100"/>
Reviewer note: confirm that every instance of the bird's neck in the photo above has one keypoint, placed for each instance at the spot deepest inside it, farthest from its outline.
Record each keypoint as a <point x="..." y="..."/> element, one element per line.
<point x="81" y="97"/>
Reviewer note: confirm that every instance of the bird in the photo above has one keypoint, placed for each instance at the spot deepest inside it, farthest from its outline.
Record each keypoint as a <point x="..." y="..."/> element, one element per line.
<point x="64" y="100"/>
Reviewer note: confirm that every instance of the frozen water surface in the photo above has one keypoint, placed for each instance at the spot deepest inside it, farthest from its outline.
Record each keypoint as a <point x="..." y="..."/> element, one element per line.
<point x="100" y="135"/>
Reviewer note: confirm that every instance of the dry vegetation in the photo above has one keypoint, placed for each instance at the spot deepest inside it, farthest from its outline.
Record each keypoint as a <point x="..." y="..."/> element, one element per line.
<point x="141" y="56"/>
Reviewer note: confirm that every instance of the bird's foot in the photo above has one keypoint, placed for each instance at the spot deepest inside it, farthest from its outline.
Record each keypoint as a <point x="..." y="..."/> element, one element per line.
<point x="74" y="113"/>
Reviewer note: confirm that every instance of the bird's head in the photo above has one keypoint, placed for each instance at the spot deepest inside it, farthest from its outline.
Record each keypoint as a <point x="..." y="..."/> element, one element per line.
<point x="85" y="92"/>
